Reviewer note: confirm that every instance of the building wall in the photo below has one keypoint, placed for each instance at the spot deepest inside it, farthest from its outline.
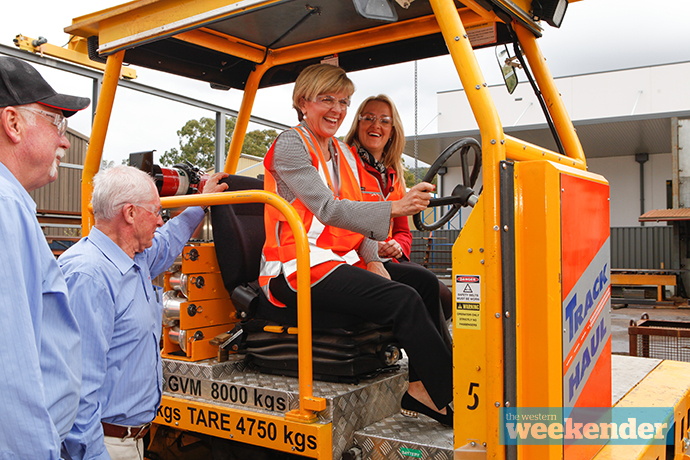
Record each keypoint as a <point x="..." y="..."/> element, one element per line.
<point x="250" y="166"/>
<point x="623" y="174"/>
<point x="656" y="89"/>
<point x="648" y="90"/>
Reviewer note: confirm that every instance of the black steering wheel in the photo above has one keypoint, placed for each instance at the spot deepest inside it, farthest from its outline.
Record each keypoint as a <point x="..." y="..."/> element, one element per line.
<point x="462" y="194"/>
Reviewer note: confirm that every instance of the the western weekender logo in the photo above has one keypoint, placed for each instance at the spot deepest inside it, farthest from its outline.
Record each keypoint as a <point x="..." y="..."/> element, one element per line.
<point x="586" y="426"/>
<point x="586" y="324"/>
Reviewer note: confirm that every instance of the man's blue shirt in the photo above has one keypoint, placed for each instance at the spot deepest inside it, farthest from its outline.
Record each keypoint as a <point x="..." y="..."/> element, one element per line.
<point x="40" y="352"/>
<point x="120" y="315"/>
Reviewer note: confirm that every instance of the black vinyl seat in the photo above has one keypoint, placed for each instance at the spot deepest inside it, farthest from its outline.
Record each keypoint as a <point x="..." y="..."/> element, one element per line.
<point x="343" y="349"/>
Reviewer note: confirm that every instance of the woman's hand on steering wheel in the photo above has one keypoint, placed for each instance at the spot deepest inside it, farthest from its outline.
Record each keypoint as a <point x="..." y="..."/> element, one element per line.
<point x="414" y="201"/>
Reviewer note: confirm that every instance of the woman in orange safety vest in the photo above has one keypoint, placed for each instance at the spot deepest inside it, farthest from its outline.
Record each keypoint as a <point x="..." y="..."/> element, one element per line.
<point x="318" y="175"/>
<point x="378" y="139"/>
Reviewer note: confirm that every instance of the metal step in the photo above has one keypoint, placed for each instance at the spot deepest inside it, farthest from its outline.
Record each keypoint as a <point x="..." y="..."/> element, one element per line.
<point x="402" y="438"/>
<point x="349" y="407"/>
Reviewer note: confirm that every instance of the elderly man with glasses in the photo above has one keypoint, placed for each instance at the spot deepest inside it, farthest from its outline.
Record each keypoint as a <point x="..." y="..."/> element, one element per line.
<point x="40" y="350"/>
<point x="119" y="311"/>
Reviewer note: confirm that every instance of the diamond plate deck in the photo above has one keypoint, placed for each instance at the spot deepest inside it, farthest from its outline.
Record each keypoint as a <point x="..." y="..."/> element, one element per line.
<point x="402" y="438"/>
<point x="349" y="407"/>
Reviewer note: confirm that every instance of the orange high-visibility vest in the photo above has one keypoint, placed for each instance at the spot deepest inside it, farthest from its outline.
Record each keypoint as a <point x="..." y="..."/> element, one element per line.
<point x="329" y="246"/>
<point x="371" y="187"/>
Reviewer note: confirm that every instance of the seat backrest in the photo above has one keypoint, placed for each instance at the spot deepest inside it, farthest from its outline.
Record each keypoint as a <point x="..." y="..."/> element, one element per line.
<point x="239" y="235"/>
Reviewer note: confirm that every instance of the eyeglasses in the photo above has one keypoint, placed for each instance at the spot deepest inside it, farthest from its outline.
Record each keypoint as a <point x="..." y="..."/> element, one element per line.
<point x="156" y="211"/>
<point x="57" y="119"/>
<point x="330" y="102"/>
<point x="371" y="119"/>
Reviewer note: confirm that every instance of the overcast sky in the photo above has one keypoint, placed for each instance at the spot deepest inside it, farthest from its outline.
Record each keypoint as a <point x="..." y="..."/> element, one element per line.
<point x="596" y="35"/>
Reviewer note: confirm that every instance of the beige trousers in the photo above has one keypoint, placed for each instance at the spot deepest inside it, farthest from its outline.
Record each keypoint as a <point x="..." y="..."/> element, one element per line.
<point x="127" y="449"/>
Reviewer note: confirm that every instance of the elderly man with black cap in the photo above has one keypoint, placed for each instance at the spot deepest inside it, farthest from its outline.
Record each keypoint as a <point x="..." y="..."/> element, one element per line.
<point x="40" y="351"/>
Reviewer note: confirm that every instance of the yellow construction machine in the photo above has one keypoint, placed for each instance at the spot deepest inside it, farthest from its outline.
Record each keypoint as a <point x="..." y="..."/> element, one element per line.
<point x="531" y="273"/>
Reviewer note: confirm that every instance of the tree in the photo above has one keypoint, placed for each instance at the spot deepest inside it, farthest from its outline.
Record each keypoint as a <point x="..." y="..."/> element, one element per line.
<point x="410" y="180"/>
<point x="258" y="142"/>
<point x="197" y="142"/>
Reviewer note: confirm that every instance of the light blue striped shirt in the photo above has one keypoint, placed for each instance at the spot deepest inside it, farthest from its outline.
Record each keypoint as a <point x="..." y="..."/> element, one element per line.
<point x="40" y="353"/>
<point x="120" y="315"/>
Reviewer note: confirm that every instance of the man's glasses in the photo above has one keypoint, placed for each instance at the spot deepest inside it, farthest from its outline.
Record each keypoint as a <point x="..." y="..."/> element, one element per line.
<point x="156" y="211"/>
<point x="57" y="119"/>
<point x="330" y="102"/>
<point x="371" y="119"/>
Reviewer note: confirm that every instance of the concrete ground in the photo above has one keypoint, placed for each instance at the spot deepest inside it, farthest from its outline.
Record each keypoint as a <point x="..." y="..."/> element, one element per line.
<point x="620" y="320"/>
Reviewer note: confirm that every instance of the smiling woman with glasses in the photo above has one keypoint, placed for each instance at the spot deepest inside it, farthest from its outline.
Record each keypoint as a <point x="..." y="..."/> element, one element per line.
<point x="319" y="176"/>
<point x="378" y="138"/>
<point x="377" y="131"/>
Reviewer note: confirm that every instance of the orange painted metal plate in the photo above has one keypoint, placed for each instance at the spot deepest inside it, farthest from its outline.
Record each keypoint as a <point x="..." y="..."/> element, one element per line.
<point x="200" y="258"/>
<point x="313" y="440"/>
<point x="561" y="251"/>
<point x="586" y="272"/>
<point x="205" y="286"/>
<point x="470" y="336"/>
<point x="205" y="313"/>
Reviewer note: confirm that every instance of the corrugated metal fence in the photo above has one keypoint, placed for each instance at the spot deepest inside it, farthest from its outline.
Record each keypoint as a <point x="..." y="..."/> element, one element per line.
<point x="643" y="248"/>
<point x="631" y="247"/>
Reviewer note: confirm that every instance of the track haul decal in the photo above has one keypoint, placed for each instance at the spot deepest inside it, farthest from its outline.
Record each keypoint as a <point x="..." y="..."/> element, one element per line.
<point x="586" y="324"/>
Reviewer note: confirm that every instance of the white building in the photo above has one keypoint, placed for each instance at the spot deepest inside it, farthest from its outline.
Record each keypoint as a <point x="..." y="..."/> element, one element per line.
<point x="625" y="121"/>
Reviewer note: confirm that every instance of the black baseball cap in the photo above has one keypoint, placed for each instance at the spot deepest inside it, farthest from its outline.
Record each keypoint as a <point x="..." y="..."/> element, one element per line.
<point x="21" y="84"/>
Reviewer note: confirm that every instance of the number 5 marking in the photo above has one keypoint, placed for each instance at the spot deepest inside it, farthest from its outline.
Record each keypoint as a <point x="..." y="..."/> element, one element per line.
<point x="476" y="397"/>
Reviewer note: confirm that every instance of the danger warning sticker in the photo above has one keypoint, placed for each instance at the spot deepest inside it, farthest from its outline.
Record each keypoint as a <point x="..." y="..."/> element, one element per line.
<point x="468" y="288"/>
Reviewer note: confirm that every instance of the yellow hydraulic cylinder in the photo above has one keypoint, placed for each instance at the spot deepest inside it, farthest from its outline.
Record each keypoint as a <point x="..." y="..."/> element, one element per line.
<point x="76" y="52"/>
